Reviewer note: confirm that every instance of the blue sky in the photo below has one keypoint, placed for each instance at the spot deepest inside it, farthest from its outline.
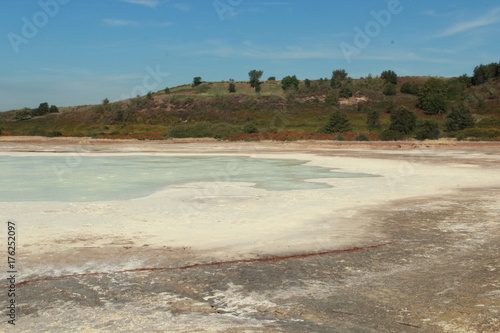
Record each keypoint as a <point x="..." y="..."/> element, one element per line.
<point x="74" y="52"/>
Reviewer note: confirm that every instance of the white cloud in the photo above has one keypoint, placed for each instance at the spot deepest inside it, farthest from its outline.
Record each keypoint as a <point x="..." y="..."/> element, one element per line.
<point x="490" y="18"/>
<point x="149" y="3"/>
<point x="183" y="7"/>
<point x="121" y="23"/>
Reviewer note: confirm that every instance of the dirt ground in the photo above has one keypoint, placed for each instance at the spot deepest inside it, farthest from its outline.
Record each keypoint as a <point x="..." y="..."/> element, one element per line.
<point x="428" y="264"/>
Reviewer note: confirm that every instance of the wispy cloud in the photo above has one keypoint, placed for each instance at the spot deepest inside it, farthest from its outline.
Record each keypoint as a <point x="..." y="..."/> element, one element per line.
<point x="149" y="3"/>
<point x="119" y="23"/>
<point x="492" y="17"/>
<point x="183" y="7"/>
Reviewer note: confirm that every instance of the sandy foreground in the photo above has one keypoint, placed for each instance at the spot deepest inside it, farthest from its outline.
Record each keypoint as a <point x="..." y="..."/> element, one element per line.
<point x="414" y="249"/>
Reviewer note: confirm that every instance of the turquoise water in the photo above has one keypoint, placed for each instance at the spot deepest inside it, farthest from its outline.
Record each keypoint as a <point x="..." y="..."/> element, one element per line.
<point x="96" y="178"/>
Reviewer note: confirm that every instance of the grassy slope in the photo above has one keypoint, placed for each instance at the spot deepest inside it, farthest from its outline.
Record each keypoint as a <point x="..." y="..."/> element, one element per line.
<point x="271" y="111"/>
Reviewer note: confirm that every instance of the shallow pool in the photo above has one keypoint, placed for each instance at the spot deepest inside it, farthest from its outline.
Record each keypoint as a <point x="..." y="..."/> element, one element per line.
<point x="71" y="177"/>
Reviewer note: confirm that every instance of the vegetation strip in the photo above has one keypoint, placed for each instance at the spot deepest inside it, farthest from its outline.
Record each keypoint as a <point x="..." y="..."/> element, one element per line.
<point x="218" y="263"/>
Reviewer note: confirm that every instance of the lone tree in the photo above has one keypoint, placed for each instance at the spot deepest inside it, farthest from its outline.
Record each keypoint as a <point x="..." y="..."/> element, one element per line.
<point x="459" y="118"/>
<point x="338" y="76"/>
<point x="337" y="123"/>
<point x="389" y="76"/>
<point x="432" y="96"/>
<point x="403" y="121"/>
<point x="255" y="76"/>
<point x="53" y="109"/>
<point x="196" y="81"/>
<point x="290" y="82"/>
<point x="41" y="110"/>
<point x="232" y="86"/>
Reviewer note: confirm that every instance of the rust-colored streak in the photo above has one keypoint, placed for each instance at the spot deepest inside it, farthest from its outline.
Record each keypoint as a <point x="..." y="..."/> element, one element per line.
<point x="217" y="263"/>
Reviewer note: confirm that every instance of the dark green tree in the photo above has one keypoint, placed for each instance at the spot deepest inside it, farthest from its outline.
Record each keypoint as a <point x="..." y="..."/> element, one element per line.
<point x="232" y="86"/>
<point x="271" y="78"/>
<point x="337" y="123"/>
<point x="427" y="129"/>
<point x="196" y="81"/>
<point x="258" y="88"/>
<point x="483" y="73"/>
<point x="167" y="90"/>
<point x="53" y="109"/>
<point x="410" y="88"/>
<point x="389" y="76"/>
<point x="345" y="91"/>
<point x="290" y="82"/>
<point x="403" y="121"/>
<point x="255" y="76"/>
<point x="332" y="99"/>
<point x="432" y="96"/>
<point x="307" y="83"/>
<point x="459" y="118"/>
<point x="338" y="76"/>
<point x="373" y="120"/>
<point x="149" y="96"/>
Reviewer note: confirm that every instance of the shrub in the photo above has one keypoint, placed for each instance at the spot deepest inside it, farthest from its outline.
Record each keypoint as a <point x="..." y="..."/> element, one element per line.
<point x="411" y="88"/>
<point x="345" y="91"/>
<point x="338" y="76"/>
<point x="459" y="118"/>
<point x="362" y="137"/>
<point x="337" y="123"/>
<point x="196" y="81"/>
<point x="250" y="128"/>
<point x="290" y="82"/>
<point x="272" y="78"/>
<point x="203" y="130"/>
<point x="167" y="90"/>
<point x="427" y="130"/>
<point x="373" y="120"/>
<point x="432" y="96"/>
<point x="389" y="77"/>
<point x="403" y="121"/>
<point x="390" y="89"/>
<point x="232" y="87"/>
<point x="332" y="99"/>
<point x="390" y="135"/>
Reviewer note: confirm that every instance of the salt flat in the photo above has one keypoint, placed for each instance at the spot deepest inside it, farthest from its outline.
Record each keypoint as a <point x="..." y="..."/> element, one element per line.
<point x="213" y="222"/>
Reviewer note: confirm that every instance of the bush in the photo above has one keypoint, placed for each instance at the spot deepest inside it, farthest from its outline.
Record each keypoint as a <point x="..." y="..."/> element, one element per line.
<point x="167" y="90"/>
<point x="411" y="88"/>
<point x="403" y="121"/>
<point x="345" y="91"/>
<point x="390" y="89"/>
<point x="427" y="130"/>
<point x="337" y="123"/>
<point x="389" y="77"/>
<point x="362" y="137"/>
<point x="203" y="130"/>
<point x="250" y="128"/>
<point x="390" y="135"/>
<point x="459" y="118"/>
<point x="432" y="96"/>
<point x="332" y="99"/>
<point x="196" y="81"/>
<point x="272" y="78"/>
<point x="338" y="76"/>
<point x="232" y="87"/>
<point x="290" y="82"/>
<point x="373" y="120"/>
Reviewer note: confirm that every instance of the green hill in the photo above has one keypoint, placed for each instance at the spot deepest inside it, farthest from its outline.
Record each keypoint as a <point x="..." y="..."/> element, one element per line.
<point x="209" y="110"/>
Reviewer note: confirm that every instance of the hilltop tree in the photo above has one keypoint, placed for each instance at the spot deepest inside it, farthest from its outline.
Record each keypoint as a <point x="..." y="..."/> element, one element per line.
<point x="403" y="121"/>
<point x="337" y="123"/>
<point x="432" y="96"/>
<point x="389" y="76"/>
<point x="459" y="118"/>
<point x="338" y="76"/>
<point x="232" y="86"/>
<point x="483" y="73"/>
<point x="53" y="109"/>
<point x="196" y="81"/>
<point x="307" y="83"/>
<point x="290" y="82"/>
<point x="255" y="76"/>
<point x="41" y="110"/>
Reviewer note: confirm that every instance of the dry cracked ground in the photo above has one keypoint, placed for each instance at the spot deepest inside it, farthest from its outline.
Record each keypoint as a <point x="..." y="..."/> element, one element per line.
<point x="439" y="271"/>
